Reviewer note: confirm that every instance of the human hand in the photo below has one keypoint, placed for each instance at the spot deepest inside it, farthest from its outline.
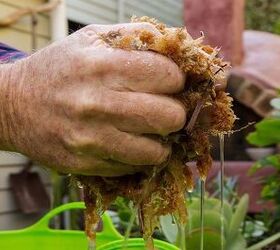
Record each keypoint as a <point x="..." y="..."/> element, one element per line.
<point x="82" y="107"/>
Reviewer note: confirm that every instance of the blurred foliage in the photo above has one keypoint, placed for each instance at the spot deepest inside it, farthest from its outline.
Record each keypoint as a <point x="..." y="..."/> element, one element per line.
<point x="126" y="213"/>
<point x="255" y="227"/>
<point x="212" y="225"/>
<point x="230" y="186"/>
<point x="263" y="15"/>
<point x="127" y="222"/>
<point x="234" y="220"/>
<point x="239" y="229"/>
<point x="268" y="133"/>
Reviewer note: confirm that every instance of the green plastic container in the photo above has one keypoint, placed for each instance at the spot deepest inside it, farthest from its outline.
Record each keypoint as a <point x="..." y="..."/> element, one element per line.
<point x="136" y="244"/>
<point x="40" y="237"/>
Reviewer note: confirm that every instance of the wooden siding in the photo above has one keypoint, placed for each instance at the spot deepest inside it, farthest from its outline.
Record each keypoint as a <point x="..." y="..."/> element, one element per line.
<point x="10" y="216"/>
<point x="19" y="34"/>
<point x="105" y="12"/>
<point x="92" y="11"/>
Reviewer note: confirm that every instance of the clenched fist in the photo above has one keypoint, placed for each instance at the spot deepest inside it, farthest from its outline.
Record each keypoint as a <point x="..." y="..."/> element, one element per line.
<point x="80" y="106"/>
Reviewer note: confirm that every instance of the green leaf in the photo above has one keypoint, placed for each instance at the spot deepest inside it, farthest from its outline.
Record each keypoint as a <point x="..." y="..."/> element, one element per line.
<point x="274" y="160"/>
<point x="125" y="215"/>
<point x="169" y="229"/>
<point x="271" y="160"/>
<point x="238" y="217"/>
<point x="212" y="240"/>
<point x="212" y="220"/>
<point x="267" y="132"/>
<point x="227" y="212"/>
<point x="211" y="204"/>
<point x="265" y="242"/>
<point x="256" y="166"/>
<point x="239" y="243"/>
<point x="270" y="190"/>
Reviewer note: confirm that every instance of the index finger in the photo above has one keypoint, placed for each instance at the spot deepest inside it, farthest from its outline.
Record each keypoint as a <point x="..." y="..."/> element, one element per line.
<point x="141" y="71"/>
<point x="121" y="28"/>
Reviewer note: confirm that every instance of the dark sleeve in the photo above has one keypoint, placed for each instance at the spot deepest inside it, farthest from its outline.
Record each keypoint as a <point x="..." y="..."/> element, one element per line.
<point x="9" y="54"/>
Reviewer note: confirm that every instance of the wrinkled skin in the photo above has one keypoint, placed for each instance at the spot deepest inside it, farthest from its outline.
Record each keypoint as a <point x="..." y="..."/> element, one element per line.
<point x="79" y="106"/>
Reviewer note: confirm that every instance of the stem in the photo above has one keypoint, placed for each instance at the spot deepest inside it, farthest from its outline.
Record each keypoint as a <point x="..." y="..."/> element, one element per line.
<point x="195" y="114"/>
<point x="129" y="228"/>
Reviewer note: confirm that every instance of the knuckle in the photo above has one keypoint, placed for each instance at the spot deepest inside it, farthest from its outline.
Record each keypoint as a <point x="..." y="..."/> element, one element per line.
<point x="95" y="142"/>
<point x="81" y="108"/>
<point x="87" y="104"/>
<point x="72" y="140"/>
<point x="89" y="28"/>
<point x="75" y="141"/>
<point x="72" y="108"/>
<point x="89" y="37"/>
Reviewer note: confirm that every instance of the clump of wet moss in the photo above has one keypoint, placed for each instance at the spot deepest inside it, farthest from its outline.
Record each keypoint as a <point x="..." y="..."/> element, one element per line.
<point x="162" y="190"/>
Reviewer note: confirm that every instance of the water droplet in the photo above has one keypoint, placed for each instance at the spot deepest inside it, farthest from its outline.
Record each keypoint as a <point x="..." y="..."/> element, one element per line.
<point x="190" y="190"/>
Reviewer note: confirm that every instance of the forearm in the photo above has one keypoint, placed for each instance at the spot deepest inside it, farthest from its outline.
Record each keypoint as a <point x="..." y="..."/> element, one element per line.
<point x="7" y="128"/>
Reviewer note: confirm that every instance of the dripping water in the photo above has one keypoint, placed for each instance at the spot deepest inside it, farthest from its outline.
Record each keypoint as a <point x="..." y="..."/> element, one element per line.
<point x="202" y="197"/>
<point x="222" y="176"/>
<point x="91" y="244"/>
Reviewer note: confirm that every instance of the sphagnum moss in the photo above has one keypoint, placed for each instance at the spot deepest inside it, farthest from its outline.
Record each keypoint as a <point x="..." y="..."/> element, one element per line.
<point x="162" y="190"/>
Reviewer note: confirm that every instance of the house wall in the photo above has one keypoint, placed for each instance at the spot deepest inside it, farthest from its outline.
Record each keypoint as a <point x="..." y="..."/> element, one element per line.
<point x="19" y="36"/>
<point x="10" y="216"/>
<point x="113" y="11"/>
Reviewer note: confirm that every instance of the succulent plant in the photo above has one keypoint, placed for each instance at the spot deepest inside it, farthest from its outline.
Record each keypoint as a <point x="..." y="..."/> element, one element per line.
<point x="232" y="221"/>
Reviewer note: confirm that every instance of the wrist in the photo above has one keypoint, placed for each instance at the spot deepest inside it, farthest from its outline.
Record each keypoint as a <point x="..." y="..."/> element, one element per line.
<point x="9" y="79"/>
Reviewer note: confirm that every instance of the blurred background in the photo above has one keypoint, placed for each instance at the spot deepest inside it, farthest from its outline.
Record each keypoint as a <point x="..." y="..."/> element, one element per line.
<point x="248" y="32"/>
